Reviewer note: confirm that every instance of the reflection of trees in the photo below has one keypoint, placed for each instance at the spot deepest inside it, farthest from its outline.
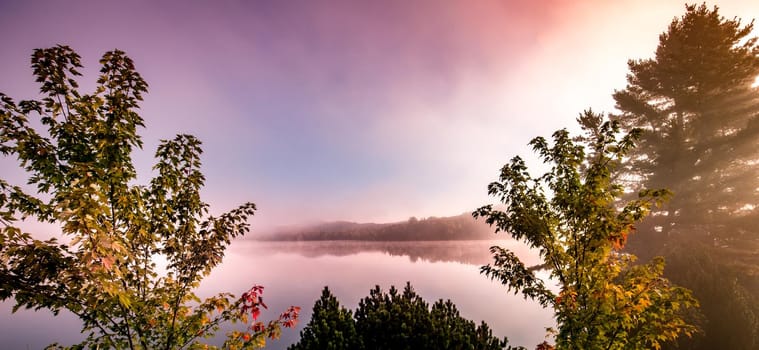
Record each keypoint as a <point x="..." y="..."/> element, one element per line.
<point x="465" y="252"/>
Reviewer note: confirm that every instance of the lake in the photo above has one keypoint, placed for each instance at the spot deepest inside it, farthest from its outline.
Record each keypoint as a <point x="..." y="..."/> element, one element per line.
<point x="293" y="273"/>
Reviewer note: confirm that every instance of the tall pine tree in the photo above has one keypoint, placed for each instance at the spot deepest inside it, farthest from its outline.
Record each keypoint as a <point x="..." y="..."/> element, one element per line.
<point x="698" y="106"/>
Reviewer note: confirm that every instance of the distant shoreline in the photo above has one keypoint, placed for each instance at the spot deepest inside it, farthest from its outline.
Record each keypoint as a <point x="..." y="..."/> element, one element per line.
<point x="454" y="228"/>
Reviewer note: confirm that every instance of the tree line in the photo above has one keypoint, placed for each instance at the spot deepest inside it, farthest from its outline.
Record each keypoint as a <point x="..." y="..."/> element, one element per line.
<point x="460" y="227"/>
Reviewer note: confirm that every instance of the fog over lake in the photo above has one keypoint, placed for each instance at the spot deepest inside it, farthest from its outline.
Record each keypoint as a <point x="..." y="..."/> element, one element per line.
<point x="293" y="273"/>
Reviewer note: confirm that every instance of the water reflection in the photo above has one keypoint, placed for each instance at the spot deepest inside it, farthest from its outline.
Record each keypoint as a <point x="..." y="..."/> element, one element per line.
<point x="465" y="252"/>
<point x="295" y="272"/>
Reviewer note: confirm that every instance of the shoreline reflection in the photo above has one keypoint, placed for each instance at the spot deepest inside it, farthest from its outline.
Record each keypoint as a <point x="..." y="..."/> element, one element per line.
<point x="473" y="252"/>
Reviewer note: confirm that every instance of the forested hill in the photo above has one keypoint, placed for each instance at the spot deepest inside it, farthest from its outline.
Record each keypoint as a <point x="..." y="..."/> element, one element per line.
<point x="461" y="227"/>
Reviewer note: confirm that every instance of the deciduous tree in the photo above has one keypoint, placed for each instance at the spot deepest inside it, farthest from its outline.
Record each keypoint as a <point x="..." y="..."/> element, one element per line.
<point x="573" y="217"/>
<point x="81" y="177"/>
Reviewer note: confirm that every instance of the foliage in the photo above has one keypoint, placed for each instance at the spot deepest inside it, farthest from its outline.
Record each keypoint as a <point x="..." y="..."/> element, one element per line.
<point x="331" y="327"/>
<point x="451" y="331"/>
<point x="81" y="178"/>
<point x="394" y="320"/>
<point x="696" y="102"/>
<point x="729" y="306"/>
<point x="697" y="106"/>
<point x="572" y="216"/>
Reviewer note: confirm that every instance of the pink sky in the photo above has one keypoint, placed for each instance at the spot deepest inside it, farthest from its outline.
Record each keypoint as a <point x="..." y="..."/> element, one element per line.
<point x="363" y="111"/>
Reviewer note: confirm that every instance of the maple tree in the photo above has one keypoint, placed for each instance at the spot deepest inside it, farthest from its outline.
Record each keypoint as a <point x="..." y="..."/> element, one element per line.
<point x="81" y="174"/>
<point x="572" y="215"/>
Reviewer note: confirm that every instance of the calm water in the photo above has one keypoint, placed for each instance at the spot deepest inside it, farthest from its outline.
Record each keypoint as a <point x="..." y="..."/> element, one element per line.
<point x="293" y="273"/>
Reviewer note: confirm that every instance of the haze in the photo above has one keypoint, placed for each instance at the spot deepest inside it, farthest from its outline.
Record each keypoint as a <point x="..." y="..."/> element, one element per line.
<point x="362" y="111"/>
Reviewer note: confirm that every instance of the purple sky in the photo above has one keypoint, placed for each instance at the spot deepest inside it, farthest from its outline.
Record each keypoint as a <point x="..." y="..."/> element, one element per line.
<point x="354" y="110"/>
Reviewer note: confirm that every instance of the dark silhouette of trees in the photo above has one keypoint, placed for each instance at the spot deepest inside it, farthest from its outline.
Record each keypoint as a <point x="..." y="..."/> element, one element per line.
<point x="729" y="307"/>
<point x="331" y="327"/>
<point x="394" y="320"/>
